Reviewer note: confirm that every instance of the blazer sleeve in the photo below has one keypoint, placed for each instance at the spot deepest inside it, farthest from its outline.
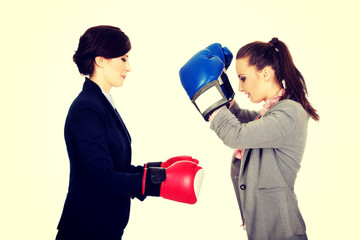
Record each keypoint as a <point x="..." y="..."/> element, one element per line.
<point x="88" y="134"/>
<point x="269" y="131"/>
<point x="243" y="115"/>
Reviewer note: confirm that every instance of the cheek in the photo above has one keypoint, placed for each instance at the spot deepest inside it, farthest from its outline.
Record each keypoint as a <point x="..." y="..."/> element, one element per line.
<point x="255" y="83"/>
<point x="250" y="86"/>
<point x="116" y="66"/>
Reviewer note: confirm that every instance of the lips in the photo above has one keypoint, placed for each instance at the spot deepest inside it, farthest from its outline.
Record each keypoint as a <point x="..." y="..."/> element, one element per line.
<point x="123" y="76"/>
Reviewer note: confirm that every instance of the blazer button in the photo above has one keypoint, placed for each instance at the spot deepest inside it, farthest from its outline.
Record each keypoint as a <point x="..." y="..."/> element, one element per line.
<point x="242" y="186"/>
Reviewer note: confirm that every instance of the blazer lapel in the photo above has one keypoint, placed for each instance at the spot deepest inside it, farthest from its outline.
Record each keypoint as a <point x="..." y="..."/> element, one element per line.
<point x="123" y="125"/>
<point x="245" y="160"/>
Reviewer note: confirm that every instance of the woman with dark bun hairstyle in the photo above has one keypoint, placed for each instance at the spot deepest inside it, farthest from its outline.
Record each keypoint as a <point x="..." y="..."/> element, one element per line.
<point x="269" y="144"/>
<point x="102" y="179"/>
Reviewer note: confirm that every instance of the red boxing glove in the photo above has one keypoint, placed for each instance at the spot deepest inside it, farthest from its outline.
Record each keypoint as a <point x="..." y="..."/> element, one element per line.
<point x="180" y="182"/>
<point x="183" y="182"/>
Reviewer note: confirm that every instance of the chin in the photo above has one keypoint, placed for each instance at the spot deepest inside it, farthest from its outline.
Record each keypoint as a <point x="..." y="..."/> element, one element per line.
<point x="119" y="83"/>
<point x="255" y="100"/>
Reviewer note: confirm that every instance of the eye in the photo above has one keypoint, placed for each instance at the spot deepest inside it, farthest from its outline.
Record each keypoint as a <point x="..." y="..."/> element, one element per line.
<point x="243" y="79"/>
<point x="124" y="59"/>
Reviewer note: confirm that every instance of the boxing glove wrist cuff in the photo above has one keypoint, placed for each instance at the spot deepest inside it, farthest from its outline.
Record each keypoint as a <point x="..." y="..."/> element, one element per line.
<point x="209" y="98"/>
<point x="153" y="177"/>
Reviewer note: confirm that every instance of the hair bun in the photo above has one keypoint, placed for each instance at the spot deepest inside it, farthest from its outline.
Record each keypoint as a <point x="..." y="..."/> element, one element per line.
<point x="273" y="41"/>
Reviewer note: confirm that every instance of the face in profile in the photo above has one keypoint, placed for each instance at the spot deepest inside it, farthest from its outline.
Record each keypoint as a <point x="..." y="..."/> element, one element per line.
<point x="250" y="81"/>
<point x="115" y="70"/>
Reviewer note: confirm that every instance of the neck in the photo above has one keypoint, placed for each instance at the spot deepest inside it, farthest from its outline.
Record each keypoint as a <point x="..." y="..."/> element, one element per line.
<point x="273" y="92"/>
<point x="100" y="82"/>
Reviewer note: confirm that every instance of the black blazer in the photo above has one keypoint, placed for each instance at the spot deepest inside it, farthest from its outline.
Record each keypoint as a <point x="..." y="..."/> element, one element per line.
<point x="102" y="179"/>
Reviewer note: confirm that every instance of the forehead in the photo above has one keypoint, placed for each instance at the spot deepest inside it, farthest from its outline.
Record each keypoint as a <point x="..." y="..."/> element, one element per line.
<point x="242" y="64"/>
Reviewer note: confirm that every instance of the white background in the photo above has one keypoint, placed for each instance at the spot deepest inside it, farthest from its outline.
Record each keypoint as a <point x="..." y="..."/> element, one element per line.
<point x="39" y="81"/>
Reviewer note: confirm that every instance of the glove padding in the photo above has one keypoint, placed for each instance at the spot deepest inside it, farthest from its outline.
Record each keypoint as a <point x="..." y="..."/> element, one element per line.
<point x="181" y="181"/>
<point x="205" y="80"/>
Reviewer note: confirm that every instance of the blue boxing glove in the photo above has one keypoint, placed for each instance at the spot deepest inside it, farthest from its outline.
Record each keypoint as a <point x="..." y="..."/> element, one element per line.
<point x="205" y="81"/>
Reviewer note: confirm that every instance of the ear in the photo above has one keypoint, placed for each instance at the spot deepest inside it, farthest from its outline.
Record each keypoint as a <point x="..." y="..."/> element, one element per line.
<point x="99" y="61"/>
<point x="267" y="73"/>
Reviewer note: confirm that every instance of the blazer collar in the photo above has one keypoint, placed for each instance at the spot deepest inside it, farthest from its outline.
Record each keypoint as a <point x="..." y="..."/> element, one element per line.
<point x="90" y="85"/>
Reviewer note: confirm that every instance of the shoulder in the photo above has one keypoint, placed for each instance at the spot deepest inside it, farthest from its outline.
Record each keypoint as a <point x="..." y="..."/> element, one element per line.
<point x="86" y="101"/>
<point x="86" y="112"/>
<point x="91" y="97"/>
<point x="289" y="105"/>
<point x="289" y="108"/>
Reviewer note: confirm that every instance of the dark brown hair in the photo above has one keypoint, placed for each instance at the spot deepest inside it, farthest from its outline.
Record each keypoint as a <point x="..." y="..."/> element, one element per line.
<point x="277" y="55"/>
<point x="105" y="41"/>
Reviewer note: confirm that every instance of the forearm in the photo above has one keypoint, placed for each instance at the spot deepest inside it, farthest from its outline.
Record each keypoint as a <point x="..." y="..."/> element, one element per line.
<point x="270" y="131"/>
<point x="226" y="126"/>
<point x="243" y="115"/>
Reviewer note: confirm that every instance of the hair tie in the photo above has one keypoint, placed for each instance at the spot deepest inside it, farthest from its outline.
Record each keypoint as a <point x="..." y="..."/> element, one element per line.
<point x="274" y="41"/>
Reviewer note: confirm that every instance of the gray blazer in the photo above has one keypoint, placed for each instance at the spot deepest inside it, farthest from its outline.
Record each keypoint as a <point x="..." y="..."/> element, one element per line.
<point x="264" y="180"/>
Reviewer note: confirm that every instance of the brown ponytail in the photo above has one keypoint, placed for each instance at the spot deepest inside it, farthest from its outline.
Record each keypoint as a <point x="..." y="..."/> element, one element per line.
<point x="276" y="54"/>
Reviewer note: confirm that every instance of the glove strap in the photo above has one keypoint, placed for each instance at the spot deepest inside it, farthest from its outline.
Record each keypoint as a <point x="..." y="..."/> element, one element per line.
<point x="153" y="164"/>
<point x="154" y="177"/>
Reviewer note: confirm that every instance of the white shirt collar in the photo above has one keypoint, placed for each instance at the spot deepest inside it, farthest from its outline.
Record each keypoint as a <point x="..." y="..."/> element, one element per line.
<point x="109" y="98"/>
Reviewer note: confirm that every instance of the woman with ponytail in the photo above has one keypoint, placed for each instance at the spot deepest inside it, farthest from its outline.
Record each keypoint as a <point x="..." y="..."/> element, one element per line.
<point x="269" y="144"/>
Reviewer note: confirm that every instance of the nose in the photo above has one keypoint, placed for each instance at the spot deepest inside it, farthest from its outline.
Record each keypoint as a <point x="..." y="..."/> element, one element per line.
<point x="241" y="89"/>
<point x="128" y="67"/>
